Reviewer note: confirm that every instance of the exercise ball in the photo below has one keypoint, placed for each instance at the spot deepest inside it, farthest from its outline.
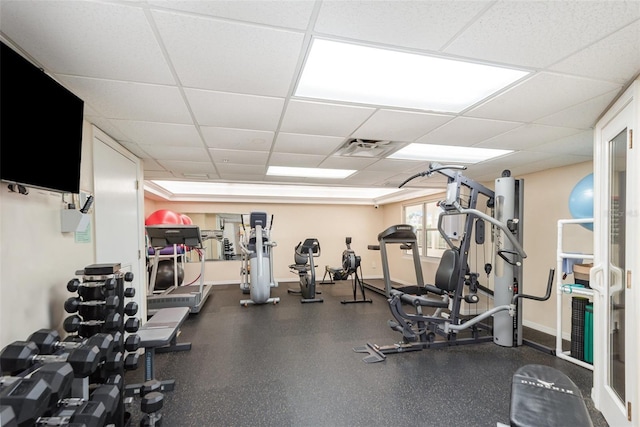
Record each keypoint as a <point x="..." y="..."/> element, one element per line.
<point x="185" y="219"/>
<point x="165" y="275"/>
<point x="163" y="216"/>
<point x="581" y="200"/>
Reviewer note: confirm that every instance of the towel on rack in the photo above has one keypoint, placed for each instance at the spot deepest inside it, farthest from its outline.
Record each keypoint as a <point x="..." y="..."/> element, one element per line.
<point x="568" y="263"/>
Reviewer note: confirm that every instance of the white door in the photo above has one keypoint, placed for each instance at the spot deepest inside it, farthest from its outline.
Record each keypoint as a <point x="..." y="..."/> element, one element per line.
<point x="616" y="230"/>
<point x="117" y="214"/>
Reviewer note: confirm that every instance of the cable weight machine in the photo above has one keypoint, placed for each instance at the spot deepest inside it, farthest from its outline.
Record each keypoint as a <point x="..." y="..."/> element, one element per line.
<point x="453" y="277"/>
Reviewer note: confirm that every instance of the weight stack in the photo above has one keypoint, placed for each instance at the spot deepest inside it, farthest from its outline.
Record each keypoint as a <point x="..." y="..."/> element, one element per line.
<point x="578" y="307"/>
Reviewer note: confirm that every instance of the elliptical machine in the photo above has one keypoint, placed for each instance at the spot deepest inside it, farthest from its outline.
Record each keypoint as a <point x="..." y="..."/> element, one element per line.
<point x="350" y="265"/>
<point x="305" y="268"/>
<point x="257" y="262"/>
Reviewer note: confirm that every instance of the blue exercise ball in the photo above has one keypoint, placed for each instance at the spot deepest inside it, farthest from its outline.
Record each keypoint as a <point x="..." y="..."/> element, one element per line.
<point x="581" y="200"/>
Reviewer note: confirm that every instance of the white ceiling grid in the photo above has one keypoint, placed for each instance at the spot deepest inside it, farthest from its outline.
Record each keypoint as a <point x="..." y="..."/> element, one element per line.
<point x="205" y="90"/>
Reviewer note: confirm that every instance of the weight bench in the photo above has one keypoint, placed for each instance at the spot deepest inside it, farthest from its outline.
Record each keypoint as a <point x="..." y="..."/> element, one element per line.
<point x="160" y="335"/>
<point x="544" y="396"/>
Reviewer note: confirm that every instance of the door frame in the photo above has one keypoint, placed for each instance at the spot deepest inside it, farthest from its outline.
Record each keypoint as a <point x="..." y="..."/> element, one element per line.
<point x="624" y="114"/>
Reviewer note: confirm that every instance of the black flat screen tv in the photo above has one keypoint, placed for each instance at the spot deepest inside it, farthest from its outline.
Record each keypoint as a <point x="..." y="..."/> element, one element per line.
<point x="40" y="127"/>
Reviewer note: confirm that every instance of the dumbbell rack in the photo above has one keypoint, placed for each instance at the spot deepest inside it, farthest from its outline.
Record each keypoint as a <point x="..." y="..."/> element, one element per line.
<point x="49" y="381"/>
<point x="102" y="283"/>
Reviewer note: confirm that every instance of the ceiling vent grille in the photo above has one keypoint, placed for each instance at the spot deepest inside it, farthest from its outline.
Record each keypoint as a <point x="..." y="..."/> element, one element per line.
<point x="356" y="147"/>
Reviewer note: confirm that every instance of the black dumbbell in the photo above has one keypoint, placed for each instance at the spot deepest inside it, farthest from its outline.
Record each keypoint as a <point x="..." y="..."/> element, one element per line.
<point x="7" y="416"/>
<point x="60" y="376"/>
<point x="130" y="292"/>
<point x="72" y="304"/>
<point x="74" y="285"/>
<point x="92" y="290"/>
<point x="150" y="404"/>
<point x="132" y="324"/>
<point x="28" y="398"/>
<point x="132" y="343"/>
<point x="21" y="355"/>
<point x="131" y="362"/>
<point x="112" y="321"/>
<point x="85" y="413"/>
<point x="131" y="309"/>
<point x="109" y="395"/>
<point x="48" y="342"/>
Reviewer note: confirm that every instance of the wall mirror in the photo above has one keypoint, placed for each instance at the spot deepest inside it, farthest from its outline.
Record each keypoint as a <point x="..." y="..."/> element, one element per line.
<point x="220" y="233"/>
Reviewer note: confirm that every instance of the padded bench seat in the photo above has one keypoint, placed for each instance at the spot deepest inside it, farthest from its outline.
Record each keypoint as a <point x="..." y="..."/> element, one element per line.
<point x="544" y="396"/>
<point x="159" y="335"/>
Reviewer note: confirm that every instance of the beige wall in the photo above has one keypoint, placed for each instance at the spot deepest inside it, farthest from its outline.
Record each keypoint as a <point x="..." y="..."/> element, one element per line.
<point x="292" y="223"/>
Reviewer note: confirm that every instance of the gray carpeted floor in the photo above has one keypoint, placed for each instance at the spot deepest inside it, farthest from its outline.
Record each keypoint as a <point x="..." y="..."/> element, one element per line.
<point x="293" y="364"/>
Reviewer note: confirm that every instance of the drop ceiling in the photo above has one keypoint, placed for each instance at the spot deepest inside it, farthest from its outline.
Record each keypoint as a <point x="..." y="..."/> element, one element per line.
<point x="205" y="90"/>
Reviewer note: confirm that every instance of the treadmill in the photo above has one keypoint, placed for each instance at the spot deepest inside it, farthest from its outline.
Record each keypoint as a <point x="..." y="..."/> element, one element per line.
<point x="191" y="296"/>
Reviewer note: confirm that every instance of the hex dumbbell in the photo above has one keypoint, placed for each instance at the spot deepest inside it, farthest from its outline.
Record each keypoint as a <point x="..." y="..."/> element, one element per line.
<point x="22" y="355"/>
<point x="60" y="376"/>
<point x="72" y="304"/>
<point x="112" y="322"/>
<point x="48" y="342"/>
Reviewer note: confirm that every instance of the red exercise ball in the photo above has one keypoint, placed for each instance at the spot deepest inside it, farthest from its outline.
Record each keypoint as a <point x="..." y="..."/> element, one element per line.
<point x="163" y="216"/>
<point x="186" y="219"/>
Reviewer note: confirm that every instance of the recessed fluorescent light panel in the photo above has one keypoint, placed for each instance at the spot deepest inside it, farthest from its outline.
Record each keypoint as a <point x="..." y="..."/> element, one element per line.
<point x="182" y="188"/>
<point x="309" y="172"/>
<point x="360" y="74"/>
<point x="447" y="153"/>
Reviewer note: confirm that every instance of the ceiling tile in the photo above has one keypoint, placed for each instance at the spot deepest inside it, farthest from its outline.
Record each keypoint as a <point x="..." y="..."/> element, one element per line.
<point x="163" y="152"/>
<point x="296" y="160"/>
<point x="151" y="174"/>
<point x="292" y="14"/>
<point x="339" y="162"/>
<point x="230" y="57"/>
<point x="234" y="169"/>
<point x="237" y="139"/>
<point x="234" y="110"/>
<point x="545" y="31"/>
<point x="391" y="165"/>
<point x="316" y="118"/>
<point x="80" y="38"/>
<point x="240" y="157"/>
<point x="399" y="125"/>
<point x="615" y="58"/>
<point x="545" y="93"/>
<point x="467" y="131"/>
<point x="365" y="177"/>
<point x="131" y="101"/>
<point x="416" y="24"/>
<point x="580" y="116"/>
<point x="152" y="165"/>
<point x="306" y="144"/>
<point x="527" y="137"/>
<point x="182" y="167"/>
<point x="580" y="144"/>
<point x="159" y="133"/>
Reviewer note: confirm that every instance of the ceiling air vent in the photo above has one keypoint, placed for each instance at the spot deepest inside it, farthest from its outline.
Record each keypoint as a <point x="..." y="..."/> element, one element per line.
<point x="368" y="148"/>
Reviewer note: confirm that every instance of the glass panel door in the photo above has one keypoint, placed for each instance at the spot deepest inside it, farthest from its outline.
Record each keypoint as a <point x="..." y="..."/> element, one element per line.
<point x="617" y="221"/>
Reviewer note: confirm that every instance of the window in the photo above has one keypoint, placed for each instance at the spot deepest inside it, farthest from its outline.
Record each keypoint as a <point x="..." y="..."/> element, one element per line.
<point x="424" y="217"/>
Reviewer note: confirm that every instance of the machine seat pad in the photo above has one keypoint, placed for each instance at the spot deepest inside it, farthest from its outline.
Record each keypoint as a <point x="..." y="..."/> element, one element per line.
<point x="542" y="395"/>
<point x="419" y="301"/>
